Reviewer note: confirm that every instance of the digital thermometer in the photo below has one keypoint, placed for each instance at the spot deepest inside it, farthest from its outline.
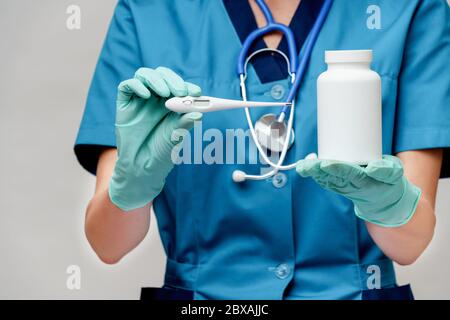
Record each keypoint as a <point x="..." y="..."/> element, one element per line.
<point x="210" y="104"/>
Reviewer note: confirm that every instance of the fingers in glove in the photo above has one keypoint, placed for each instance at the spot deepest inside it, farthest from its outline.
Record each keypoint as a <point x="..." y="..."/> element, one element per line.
<point x="130" y="87"/>
<point x="154" y="81"/>
<point x="193" y="89"/>
<point x="309" y="168"/>
<point x="344" y="171"/>
<point x="186" y="121"/>
<point x="180" y="125"/>
<point x="174" y="82"/>
<point x="388" y="170"/>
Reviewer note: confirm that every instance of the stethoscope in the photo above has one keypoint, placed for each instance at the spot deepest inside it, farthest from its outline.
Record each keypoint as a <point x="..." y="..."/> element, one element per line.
<point x="270" y="132"/>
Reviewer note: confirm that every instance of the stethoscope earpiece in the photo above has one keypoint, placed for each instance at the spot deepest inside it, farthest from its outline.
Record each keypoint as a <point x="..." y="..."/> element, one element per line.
<point x="239" y="176"/>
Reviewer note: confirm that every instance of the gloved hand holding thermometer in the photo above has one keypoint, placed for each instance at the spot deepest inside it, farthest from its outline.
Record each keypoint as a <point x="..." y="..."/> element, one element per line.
<point x="149" y="125"/>
<point x="146" y="132"/>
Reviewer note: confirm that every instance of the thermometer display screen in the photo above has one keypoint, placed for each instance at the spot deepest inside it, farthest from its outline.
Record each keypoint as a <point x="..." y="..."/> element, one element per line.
<point x="201" y="102"/>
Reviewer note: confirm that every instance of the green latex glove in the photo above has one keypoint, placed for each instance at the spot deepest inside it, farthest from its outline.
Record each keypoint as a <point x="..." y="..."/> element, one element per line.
<point x="380" y="192"/>
<point x="146" y="132"/>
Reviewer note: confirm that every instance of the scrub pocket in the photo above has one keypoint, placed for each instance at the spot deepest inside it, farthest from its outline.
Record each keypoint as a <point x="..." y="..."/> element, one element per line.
<point x="395" y="293"/>
<point x="166" y="293"/>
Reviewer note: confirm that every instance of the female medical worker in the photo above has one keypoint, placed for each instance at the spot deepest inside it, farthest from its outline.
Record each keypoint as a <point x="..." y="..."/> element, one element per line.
<point x="294" y="237"/>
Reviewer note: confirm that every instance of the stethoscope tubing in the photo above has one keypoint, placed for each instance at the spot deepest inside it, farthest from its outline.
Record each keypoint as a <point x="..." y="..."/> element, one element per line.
<point x="296" y="72"/>
<point x="309" y="46"/>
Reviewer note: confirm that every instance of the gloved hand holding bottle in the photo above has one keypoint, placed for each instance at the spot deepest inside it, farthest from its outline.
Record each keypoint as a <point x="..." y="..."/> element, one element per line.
<point x="146" y="133"/>
<point x="380" y="192"/>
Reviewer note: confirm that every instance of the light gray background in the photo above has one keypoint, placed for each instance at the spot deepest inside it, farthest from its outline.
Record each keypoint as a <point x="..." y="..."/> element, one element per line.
<point x="45" y="71"/>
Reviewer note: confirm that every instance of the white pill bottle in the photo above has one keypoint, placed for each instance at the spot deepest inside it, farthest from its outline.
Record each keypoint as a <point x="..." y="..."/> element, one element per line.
<point x="349" y="108"/>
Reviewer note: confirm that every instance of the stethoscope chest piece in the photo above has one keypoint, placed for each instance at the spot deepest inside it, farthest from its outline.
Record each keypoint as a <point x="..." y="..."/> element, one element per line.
<point x="271" y="133"/>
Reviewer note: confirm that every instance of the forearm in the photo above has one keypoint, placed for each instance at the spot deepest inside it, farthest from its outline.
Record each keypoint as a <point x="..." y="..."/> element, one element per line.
<point x="395" y="195"/>
<point x="406" y="243"/>
<point x="112" y="232"/>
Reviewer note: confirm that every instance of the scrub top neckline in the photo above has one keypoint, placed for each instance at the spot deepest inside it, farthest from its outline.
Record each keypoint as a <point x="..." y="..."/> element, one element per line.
<point x="272" y="67"/>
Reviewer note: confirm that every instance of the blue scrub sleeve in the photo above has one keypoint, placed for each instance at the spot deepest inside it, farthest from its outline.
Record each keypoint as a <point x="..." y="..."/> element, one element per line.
<point x="423" y="116"/>
<point x="119" y="59"/>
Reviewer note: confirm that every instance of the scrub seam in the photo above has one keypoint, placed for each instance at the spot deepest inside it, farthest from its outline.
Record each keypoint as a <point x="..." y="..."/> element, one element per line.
<point x="236" y="35"/>
<point x="197" y="246"/>
<point x="141" y="57"/>
<point x="356" y="229"/>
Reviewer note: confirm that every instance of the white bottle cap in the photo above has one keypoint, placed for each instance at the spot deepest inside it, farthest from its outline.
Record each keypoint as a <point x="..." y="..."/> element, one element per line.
<point x="343" y="56"/>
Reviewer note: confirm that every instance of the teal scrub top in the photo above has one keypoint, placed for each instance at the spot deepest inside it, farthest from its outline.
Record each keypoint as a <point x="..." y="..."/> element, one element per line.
<point x="282" y="238"/>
